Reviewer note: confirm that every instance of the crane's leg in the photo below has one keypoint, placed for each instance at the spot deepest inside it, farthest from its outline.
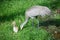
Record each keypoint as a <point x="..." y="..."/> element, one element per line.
<point x="32" y="21"/>
<point x="38" y="23"/>
<point x="38" y="20"/>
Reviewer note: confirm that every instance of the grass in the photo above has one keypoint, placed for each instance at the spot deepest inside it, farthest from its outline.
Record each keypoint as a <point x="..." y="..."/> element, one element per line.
<point x="28" y="33"/>
<point x="14" y="11"/>
<point x="19" y="6"/>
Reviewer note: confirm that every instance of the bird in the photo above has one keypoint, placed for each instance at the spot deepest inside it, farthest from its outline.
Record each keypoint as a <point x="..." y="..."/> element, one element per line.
<point x="34" y="11"/>
<point x="15" y="28"/>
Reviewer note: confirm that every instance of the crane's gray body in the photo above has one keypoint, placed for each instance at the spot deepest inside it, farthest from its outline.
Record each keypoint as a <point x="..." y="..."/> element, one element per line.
<point x="36" y="11"/>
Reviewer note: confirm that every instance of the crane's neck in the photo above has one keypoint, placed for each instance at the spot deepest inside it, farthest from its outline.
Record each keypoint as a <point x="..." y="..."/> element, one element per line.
<point x="22" y="25"/>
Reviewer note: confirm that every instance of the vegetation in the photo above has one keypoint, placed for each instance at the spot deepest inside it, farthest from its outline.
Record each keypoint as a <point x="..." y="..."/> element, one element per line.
<point x="14" y="10"/>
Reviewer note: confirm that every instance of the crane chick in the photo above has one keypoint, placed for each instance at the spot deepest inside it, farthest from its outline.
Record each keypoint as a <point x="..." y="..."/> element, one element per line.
<point x="35" y="11"/>
<point x="15" y="28"/>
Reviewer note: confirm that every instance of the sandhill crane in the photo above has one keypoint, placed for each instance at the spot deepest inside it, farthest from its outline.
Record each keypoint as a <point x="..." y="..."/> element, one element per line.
<point x="15" y="28"/>
<point x="35" y="11"/>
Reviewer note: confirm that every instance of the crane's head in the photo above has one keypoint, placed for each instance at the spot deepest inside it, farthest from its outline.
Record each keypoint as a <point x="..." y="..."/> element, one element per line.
<point x="21" y="26"/>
